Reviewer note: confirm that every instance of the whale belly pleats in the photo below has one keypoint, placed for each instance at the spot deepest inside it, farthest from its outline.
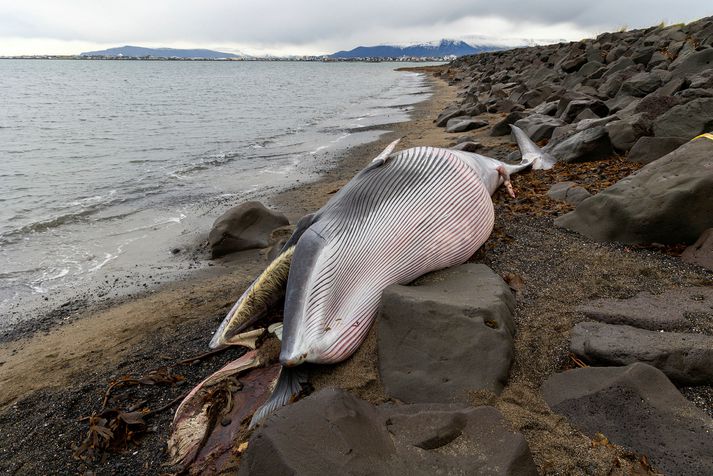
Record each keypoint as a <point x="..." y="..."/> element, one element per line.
<point x="423" y="209"/>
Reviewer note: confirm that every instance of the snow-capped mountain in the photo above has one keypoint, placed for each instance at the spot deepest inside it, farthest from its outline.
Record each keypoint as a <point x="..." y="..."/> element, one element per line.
<point x="433" y="49"/>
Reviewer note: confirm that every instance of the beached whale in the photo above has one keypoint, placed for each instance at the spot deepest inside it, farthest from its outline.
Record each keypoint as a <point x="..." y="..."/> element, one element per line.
<point x="269" y="288"/>
<point x="406" y="214"/>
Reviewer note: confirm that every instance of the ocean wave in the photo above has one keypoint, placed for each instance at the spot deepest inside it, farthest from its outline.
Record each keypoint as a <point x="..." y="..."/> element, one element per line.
<point x="89" y="206"/>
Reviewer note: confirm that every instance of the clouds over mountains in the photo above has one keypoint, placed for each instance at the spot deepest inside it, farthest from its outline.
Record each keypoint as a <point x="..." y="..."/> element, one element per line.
<point x="318" y="26"/>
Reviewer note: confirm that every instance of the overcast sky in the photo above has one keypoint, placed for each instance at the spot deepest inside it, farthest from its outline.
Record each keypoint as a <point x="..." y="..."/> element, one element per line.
<point x="315" y="27"/>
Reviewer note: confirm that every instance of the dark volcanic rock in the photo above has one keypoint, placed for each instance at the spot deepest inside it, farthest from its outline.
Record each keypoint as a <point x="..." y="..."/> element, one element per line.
<point x="586" y="114"/>
<point x="702" y="80"/>
<point x="648" y="149"/>
<point x="568" y="192"/>
<point x="455" y="120"/>
<point x="673" y="85"/>
<point x="587" y="145"/>
<point x="448" y="439"/>
<point x="667" y="201"/>
<point x="652" y="106"/>
<point x="590" y="68"/>
<point x="589" y="123"/>
<point x="468" y="146"/>
<point x="689" y="94"/>
<point x="645" y="82"/>
<point x="701" y="252"/>
<point x="666" y="311"/>
<point x="576" y="106"/>
<point x="547" y="108"/>
<point x="612" y="83"/>
<point x="686" y="120"/>
<point x="573" y="64"/>
<point x="684" y="358"/>
<point x="244" y="227"/>
<point x="449" y="334"/>
<point x="447" y="115"/>
<point x="333" y="432"/>
<point x="624" y="133"/>
<point x="466" y="125"/>
<point x="502" y="128"/>
<point x="538" y="126"/>
<point x="639" y="408"/>
<point x="695" y="63"/>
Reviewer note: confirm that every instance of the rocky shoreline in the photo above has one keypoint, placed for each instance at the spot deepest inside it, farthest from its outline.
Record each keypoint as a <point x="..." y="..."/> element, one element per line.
<point x="608" y="357"/>
<point x="583" y="354"/>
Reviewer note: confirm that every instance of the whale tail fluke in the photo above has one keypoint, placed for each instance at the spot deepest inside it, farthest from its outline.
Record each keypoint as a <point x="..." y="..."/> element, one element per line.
<point x="532" y="155"/>
<point x="287" y="388"/>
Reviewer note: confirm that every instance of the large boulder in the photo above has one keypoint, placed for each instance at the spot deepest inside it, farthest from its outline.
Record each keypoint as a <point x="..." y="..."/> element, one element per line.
<point x="244" y="227"/>
<point x="686" y="121"/>
<point x="584" y="146"/>
<point x="666" y="201"/>
<point x="684" y="358"/>
<point x="568" y="192"/>
<point x="447" y="115"/>
<point x="668" y="311"/>
<point x="465" y="125"/>
<point x="694" y="63"/>
<point x="647" y="149"/>
<point x="639" y="408"/>
<point x="645" y="82"/>
<point x="450" y="334"/>
<point x="546" y="108"/>
<point x="451" y="439"/>
<point x="333" y="432"/>
<point x="539" y="126"/>
<point x="701" y="252"/>
<point x="625" y="132"/>
<point x="576" y="106"/>
<point x="502" y="128"/>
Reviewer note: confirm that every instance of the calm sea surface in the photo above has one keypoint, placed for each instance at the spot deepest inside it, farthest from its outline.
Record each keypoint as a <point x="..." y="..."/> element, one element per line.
<point x="106" y="166"/>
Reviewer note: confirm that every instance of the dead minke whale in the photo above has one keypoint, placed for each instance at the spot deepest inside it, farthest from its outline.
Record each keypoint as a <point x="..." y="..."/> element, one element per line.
<point x="406" y="214"/>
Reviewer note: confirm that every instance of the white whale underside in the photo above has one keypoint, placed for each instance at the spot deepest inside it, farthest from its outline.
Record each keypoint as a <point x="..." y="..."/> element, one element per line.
<point x="420" y="210"/>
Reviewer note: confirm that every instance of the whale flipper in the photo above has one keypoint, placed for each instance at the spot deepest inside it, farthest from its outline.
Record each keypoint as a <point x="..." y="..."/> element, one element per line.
<point x="287" y="388"/>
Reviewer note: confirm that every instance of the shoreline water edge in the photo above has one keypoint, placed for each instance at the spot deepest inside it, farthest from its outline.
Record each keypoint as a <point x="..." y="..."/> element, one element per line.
<point x="71" y="352"/>
<point x="79" y="248"/>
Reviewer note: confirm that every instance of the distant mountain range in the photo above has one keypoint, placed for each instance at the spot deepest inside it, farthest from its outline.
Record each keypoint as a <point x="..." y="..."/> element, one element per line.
<point x="138" y="51"/>
<point x="436" y="49"/>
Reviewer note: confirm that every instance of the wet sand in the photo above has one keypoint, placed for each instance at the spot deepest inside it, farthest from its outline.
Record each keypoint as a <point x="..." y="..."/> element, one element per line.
<point x="49" y="380"/>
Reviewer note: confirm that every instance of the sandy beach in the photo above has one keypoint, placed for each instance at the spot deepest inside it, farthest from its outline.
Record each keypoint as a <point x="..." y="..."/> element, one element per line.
<point x="52" y="379"/>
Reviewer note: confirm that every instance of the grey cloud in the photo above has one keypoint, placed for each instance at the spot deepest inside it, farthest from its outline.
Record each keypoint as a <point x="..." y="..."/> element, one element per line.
<point x="312" y="22"/>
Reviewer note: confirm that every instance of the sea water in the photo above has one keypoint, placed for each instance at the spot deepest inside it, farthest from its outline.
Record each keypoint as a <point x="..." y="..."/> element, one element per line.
<point x="108" y="167"/>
